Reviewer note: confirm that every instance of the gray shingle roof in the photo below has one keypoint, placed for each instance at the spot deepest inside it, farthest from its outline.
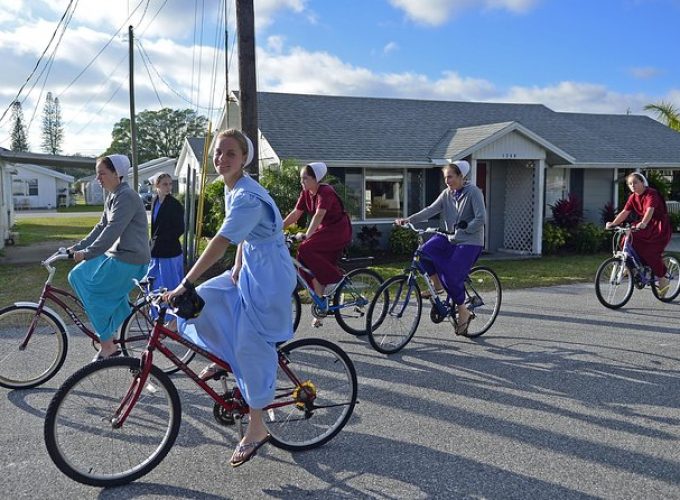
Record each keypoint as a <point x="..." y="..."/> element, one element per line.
<point x="197" y="144"/>
<point x="405" y="130"/>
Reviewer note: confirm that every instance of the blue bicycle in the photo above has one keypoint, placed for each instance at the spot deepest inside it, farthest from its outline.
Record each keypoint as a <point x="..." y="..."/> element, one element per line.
<point x="619" y="275"/>
<point x="348" y="301"/>
<point x="394" y="313"/>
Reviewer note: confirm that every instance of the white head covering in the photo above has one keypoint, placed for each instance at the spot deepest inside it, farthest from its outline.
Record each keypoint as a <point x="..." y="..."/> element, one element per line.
<point x="645" y="183"/>
<point x="121" y="163"/>
<point x="249" y="155"/>
<point x="319" y="169"/>
<point x="463" y="166"/>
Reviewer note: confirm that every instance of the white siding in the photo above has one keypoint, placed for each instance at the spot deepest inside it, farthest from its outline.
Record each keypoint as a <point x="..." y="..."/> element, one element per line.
<point x="513" y="146"/>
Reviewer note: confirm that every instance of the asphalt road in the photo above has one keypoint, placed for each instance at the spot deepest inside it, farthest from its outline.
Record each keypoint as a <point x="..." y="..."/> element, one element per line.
<point x="562" y="398"/>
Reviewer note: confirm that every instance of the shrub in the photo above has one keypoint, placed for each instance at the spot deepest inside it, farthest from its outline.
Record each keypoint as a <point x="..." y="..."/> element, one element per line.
<point x="567" y="212"/>
<point x="213" y="208"/>
<point x="588" y="238"/>
<point x="659" y="182"/>
<point x="554" y="238"/>
<point x="607" y="213"/>
<point x="402" y="241"/>
<point x="369" y="238"/>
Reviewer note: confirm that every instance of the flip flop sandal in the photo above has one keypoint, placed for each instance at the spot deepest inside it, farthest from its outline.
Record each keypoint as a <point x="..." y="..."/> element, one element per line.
<point x="210" y="372"/>
<point x="247" y="451"/>
<point x="99" y="357"/>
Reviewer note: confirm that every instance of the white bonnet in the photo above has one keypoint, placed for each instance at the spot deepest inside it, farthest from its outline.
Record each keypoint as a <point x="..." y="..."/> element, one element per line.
<point x="121" y="163"/>
<point x="319" y="169"/>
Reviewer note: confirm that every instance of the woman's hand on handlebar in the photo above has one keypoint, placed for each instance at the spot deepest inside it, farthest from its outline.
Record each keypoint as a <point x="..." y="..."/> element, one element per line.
<point x="400" y="222"/>
<point x="300" y="236"/>
<point x="168" y="296"/>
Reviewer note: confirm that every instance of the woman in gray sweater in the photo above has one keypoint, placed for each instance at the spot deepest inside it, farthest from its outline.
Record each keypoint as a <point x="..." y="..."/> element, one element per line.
<point x="114" y="253"/>
<point x="462" y="206"/>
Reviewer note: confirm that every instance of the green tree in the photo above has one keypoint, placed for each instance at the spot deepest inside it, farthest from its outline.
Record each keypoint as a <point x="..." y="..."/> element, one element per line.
<point x="19" y="137"/>
<point x="52" y="129"/>
<point x="159" y="133"/>
<point x="670" y="115"/>
<point x="667" y="113"/>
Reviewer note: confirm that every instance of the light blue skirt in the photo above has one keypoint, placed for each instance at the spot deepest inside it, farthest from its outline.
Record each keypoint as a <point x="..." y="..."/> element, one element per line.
<point x="168" y="272"/>
<point x="103" y="284"/>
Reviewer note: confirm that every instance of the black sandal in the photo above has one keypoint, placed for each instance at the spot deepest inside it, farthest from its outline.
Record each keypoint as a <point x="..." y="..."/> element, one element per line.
<point x="242" y="449"/>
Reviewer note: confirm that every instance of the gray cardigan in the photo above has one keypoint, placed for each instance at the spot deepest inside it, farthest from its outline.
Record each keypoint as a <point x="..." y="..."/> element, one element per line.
<point x="469" y="208"/>
<point x="122" y="232"/>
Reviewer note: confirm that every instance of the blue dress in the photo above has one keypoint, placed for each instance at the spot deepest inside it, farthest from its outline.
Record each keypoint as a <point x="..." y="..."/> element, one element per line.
<point x="241" y="323"/>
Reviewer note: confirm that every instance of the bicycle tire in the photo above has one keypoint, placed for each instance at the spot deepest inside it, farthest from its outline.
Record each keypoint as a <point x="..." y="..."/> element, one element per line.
<point x="612" y="281"/>
<point x="139" y="324"/>
<point x="297" y="309"/>
<point x="483" y="297"/>
<point x="673" y="275"/>
<point x="91" y="451"/>
<point x="43" y="356"/>
<point x="358" y="287"/>
<point x="325" y="369"/>
<point x="398" y="297"/>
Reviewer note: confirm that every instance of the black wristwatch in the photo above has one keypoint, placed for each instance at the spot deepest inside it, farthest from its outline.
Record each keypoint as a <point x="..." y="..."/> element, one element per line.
<point x="187" y="284"/>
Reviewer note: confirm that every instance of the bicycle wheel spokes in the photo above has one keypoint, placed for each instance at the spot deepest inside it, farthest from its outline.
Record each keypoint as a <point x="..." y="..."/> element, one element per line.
<point x="80" y="436"/>
<point x="354" y="296"/>
<point x="43" y="355"/>
<point x="398" y="303"/>
<point x="319" y="408"/>
<point x="613" y="283"/>
<point x="673" y="275"/>
<point x="135" y="333"/>
<point x="483" y="295"/>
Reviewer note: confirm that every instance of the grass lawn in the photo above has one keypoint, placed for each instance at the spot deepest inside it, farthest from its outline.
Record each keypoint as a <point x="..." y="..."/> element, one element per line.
<point x="36" y="229"/>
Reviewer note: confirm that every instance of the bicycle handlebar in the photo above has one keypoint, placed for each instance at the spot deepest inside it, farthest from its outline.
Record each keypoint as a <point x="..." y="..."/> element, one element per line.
<point x="427" y="230"/>
<point x="61" y="254"/>
<point x="623" y="228"/>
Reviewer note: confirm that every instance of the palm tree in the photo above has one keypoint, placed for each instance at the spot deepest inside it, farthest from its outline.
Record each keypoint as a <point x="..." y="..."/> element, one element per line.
<point x="667" y="113"/>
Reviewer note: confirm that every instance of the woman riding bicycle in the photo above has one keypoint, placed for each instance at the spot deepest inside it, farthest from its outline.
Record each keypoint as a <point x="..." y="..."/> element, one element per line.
<point x="247" y="309"/>
<point x="654" y="230"/>
<point x="329" y="231"/>
<point x="462" y="205"/>
<point x="114" y="254"/>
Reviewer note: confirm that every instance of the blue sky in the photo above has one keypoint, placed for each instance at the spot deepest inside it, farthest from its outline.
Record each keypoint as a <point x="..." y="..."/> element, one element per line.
<point x="599" y="56"/>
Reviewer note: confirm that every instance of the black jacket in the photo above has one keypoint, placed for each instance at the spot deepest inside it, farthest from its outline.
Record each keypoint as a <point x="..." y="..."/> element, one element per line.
<point x="167" y="228"/>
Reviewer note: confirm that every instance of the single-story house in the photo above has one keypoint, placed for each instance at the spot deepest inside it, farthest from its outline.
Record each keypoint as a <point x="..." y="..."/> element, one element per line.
<point x="10" y="166"/>
<point x="34" y="186"/>
<point x="523" y="157"/>
<point x="94" y="194"/>
<point x="189" y="165"/>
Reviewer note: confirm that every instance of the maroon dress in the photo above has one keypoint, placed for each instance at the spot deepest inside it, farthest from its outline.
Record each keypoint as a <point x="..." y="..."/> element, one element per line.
<point x="321" y="251"/>
<point x="650" y="242"/>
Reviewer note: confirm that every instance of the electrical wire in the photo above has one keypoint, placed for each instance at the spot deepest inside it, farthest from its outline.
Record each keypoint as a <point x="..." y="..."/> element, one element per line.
<point x="37" y="64"/>
<point x="148" y="71"/>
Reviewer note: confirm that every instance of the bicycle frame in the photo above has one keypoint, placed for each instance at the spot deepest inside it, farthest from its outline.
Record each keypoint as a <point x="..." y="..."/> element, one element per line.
<point x="155" y="343"/>
<point x="622" y="248"/>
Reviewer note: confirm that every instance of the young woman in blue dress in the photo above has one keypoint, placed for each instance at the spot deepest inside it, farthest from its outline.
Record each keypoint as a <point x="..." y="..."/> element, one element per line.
<point x="247" y="309"/>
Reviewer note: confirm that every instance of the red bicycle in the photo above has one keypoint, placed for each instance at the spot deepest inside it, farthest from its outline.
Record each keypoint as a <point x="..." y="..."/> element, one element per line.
<point x="115" y="420"/>
<point x="34" y="340"/>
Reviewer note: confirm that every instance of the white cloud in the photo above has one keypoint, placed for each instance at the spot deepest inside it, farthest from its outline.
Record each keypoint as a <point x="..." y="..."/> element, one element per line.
<point x="644" y="72"/>
<point x="437" y="12"/>
<point x="390" y="47"/>
<point x="275" y="43"/>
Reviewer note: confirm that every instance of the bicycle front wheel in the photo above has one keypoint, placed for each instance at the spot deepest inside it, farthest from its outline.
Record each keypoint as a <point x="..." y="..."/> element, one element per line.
<point x="84" y="442"/>
<point x="296" y="305"/>
<point x="43" y="355"/>
<point x="134" y="337"/>
<point x="398" y="303"/>
<point x="316" y="391"/>
<point x="483" y="295"/>
<point x="673" y="275"/>
<point x="613" y="283"/>
<point x="353" y="297"/>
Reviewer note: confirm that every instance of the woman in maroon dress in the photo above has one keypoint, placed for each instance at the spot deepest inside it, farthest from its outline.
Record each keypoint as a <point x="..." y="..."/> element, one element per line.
<point x="654" y="228"/>
<point x="329" y="231"/>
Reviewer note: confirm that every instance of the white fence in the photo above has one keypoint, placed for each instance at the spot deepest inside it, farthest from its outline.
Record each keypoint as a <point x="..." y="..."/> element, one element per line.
<point x="673" y="207"/>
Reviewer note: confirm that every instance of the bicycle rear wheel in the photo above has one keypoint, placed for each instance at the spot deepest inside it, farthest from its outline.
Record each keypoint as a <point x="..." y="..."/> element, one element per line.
<point x="316" y="386"/>
<point x="134" y="337"/>
<point x="398" y="303"/>
<point x="357" y="289"/>
<point x="44" y="354"/>
<point x="81" y="437"/>
<point x="673" y="275"/>
<point x="483" y="295"/>
<point x="613" y="283"/>
<point x="297" y="309"/>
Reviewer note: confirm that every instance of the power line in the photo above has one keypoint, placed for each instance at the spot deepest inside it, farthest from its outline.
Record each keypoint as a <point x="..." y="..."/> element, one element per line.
<point x="150" y="78"/>
<point x="39" y="60"/>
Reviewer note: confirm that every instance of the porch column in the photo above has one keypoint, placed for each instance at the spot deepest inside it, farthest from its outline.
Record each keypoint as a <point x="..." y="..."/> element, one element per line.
<point x="473" y="171"/>
<point x="539" y="185"/>
<point x="615" y="189"/>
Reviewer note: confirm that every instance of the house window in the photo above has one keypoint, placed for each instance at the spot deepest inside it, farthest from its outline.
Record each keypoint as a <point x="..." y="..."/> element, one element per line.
<point x="354" y="187"/>
<point x="18" y="187"/>
<point x="32" y="187"/>
<point x="556" y="187"/>
<point x="415" y="189"/>
<point x="383" y="193"/>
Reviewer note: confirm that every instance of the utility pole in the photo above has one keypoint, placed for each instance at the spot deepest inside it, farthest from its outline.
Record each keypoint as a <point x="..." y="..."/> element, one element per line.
<point x="245" y="23"/>
<point x="133" y="124"/>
